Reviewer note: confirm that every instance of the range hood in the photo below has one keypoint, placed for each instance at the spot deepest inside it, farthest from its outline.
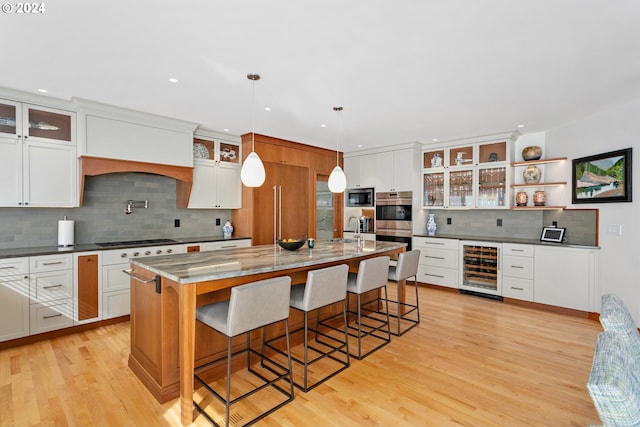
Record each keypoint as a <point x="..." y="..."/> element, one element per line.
<point x="92" y="166"/>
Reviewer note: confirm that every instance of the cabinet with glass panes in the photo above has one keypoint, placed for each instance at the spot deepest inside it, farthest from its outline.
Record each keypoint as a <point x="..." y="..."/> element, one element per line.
<point x="470" y="176"/>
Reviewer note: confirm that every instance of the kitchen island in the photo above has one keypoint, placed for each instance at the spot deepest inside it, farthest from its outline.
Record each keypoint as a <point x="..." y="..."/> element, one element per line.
<point x="167" y="342"/>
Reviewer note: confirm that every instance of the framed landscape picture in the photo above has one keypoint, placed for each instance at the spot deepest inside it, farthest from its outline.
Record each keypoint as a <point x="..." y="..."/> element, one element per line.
<point x="602" y="178"/>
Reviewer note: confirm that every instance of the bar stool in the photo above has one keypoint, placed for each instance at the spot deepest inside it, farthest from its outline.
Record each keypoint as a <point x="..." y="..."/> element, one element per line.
<point x="251" y="306"/>
<point x="406" y="267"/>
<point x="372" y="274"/>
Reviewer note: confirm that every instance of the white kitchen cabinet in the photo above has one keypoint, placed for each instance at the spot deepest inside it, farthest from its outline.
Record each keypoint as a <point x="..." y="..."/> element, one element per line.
<point x="14" y="298"/>
<point x="51" y="292"/>
<point x="116" y="284"/>
<point x="215" y="186"/>
<point x="361" y="171"/>
<point x="438" y="261"/>
<point x="226" y="244"/>
<point x="565" y="277"/>
<point x="395" y="171"/>
<point x="517" y="271"/>
<point x="38" y="163"/>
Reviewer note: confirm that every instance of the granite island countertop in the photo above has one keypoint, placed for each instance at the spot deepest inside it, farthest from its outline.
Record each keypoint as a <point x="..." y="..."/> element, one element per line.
<point x="204" y="266"/>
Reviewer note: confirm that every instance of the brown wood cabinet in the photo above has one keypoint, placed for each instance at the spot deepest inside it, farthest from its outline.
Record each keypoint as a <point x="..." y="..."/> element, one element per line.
<point x="88" y="287"/>
<point x="285" y="205"/>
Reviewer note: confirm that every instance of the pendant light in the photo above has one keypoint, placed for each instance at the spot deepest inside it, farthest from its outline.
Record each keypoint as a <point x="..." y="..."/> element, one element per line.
<point x="252" y="172"/>
<point x="337" y="179"/>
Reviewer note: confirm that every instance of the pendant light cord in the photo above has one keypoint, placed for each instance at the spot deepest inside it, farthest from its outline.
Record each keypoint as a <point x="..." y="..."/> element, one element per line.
<point x="337" y="110"/>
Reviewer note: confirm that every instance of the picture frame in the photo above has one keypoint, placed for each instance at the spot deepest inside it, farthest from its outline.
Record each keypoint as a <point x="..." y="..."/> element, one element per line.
<point x="552" y="234"/>
<point x="603" y="178"/>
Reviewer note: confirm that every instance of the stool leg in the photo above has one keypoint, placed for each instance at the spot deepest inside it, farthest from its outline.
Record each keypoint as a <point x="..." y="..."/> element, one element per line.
<point x="359" y="321"/>
<point x="228" y="392"/>
<point x="386" y="300"/>
<point x="306" y="347"/>
<point x="286" y="328"/>
<point x="399" y="306"/>
<point x="346" y="329"/>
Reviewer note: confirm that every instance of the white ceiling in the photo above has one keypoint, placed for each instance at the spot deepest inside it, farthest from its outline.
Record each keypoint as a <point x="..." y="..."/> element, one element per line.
<point x="404" y="70"/>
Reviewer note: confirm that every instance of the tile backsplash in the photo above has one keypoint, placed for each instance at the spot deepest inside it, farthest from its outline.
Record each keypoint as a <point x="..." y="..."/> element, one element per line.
<point x="102" y="217"/>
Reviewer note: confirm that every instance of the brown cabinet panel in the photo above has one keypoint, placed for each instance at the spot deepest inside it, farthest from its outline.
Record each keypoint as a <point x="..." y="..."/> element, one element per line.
<point x="87" y="287"/>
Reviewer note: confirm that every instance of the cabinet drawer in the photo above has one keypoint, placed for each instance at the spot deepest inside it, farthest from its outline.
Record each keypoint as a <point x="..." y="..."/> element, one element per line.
<point x="439" y="258"/>
<point x="227" y="244"/>
<point x="51" y="286"/>
<point x="50" y="263"/>
<point x="13" y="267"/>
<point x="434" y="242"/>
<point x="517" y="249"/>
<point x="438" y="276"/>
<point x="115" y="304"/>
<point x="516" y="288"/>
<point x="48" y="317"/>
<point x="516" y="266"/>
<point x="114" y="279"/>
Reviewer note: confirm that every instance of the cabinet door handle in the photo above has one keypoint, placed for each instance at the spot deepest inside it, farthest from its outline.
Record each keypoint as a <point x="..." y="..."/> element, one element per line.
<point x="52" y="286"/>
<point x="52" y="316"/>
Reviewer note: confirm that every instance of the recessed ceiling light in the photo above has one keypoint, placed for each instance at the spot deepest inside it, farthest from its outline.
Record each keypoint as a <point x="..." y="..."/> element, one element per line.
<point x="323" y="125"/>
<point x="520" y="126"/>
<point x="267" y="108"/>
<point x="43" y="90"/>
<point x="173" y="80"/>
<point x="226" y="130"/>
<point x="359" y="145"/>
<point x="435" y="139"/>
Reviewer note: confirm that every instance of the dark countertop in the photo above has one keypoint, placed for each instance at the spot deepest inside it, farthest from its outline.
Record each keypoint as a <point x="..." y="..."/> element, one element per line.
<point x="507" y="240"/>
<point x="214" y="265"/>
<point x="88" y="247"/>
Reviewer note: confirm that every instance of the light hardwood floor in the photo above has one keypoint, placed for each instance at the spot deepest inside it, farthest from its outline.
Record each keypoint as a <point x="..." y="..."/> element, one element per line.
<point x="471" y="362"/>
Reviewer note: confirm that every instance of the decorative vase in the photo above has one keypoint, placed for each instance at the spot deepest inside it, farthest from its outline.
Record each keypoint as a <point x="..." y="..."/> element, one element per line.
<point x="431" y="225"/>
<point x="522" y="198"/>
<point x="227" y="230"/>
<point x="539" y="198"/>
<point x="532" y="174"/>
<point x="532" y="152"/>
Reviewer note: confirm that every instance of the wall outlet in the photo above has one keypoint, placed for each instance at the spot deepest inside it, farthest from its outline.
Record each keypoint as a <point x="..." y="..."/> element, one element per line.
<point x="217" y="221"/>
<point x="499" y="222"/>
<point x="176" y="223"/>
<point x="448" y="221"/>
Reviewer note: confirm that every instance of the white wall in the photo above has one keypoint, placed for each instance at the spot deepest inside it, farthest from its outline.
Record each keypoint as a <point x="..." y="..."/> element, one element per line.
<point x="607" y="131"/>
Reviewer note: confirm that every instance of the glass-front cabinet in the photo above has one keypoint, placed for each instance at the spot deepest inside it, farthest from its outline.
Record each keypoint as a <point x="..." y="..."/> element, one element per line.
<point x="469" y="176"/>
<point x="36" y="123"/>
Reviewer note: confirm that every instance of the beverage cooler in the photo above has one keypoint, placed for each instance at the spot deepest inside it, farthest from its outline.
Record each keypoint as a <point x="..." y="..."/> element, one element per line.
<point x="480" y="268"/>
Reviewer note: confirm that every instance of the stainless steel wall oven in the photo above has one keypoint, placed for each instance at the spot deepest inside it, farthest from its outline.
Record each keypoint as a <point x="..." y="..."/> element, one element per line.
<point x="393" y="217"/>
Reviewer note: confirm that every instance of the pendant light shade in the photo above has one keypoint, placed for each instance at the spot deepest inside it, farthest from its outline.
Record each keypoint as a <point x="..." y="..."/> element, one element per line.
<point x="252" y="173"/>
<point x="337" y="179"/>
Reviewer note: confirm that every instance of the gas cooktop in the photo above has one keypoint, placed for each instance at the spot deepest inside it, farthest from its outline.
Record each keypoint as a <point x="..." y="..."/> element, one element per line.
<point x="136" y="242"/>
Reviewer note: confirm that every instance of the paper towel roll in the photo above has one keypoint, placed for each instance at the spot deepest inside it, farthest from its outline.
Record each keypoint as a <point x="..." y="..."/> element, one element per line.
<point x="65" y="232"/>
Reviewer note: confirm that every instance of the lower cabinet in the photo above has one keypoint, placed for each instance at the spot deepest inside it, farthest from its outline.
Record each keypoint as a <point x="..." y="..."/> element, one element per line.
<point x="217" y="245"/>
<point x="51" y="292"/>
<point x="14" y="298"/>
<point x="565" y="277"/>
<point x="438" y="261"/>
<point x="87" y="287"/>
<point x="517" y="271"/>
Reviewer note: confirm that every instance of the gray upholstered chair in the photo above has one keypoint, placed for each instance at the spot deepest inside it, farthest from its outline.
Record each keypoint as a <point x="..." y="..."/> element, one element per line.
<point x="614" y="381"/>
<point x="406" y="268"/>
<point x="614" y="316"/>
<point x="251" y="306"/>
<point x="372" y="275"/>
<point x="323" y="287"/>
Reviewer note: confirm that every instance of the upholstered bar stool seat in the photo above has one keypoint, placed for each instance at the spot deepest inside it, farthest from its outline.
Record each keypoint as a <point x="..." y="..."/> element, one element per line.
<point x="407" y="313"/>
<point x="251" y="306"/>
<point x="329" y="353"/>
<point x="372" y="275"/>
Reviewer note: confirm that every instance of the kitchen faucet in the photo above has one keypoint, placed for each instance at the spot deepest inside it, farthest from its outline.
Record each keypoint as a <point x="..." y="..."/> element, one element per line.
<point x="356" y="229"/>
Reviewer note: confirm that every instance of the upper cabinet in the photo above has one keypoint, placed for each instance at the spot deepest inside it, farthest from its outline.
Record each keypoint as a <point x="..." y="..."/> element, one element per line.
<point x="468" y="174"/>
<point x="118" y="133"/>
<point x="216" y="172"/>
<point x="38" y="163"/>
<point x="385" y="170"/>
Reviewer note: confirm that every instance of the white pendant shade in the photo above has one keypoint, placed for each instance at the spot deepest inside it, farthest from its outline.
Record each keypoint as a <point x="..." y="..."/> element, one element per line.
<point x="337" y="180"/>
<point x="252" y="173"/>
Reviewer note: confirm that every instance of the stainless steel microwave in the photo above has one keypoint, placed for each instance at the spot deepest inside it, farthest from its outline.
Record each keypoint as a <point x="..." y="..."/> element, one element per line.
<point x="360" y="197"/>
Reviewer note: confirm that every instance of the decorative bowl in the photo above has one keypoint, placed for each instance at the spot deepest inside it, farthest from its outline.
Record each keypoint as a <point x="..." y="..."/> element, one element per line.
<point x="292" y="244"/>
<point x="532" y="152"/>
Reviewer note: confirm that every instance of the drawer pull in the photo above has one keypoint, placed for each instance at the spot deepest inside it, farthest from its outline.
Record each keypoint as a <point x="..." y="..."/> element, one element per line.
<point x="434" y="275"/>
<point x="52" y="286"/>
<point x="517" y="250"/>
<point x="517" y="289"/>
<point x="156" y="279"/>
<point x="434" y="257"/>
<point x="228" y="246"/>
<point x="434" y="243"/>
<point x="517" y="266"/>
<point x="7" y="268"/>
<point x="52" y="316"/>
<point x="52" y="263"/>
